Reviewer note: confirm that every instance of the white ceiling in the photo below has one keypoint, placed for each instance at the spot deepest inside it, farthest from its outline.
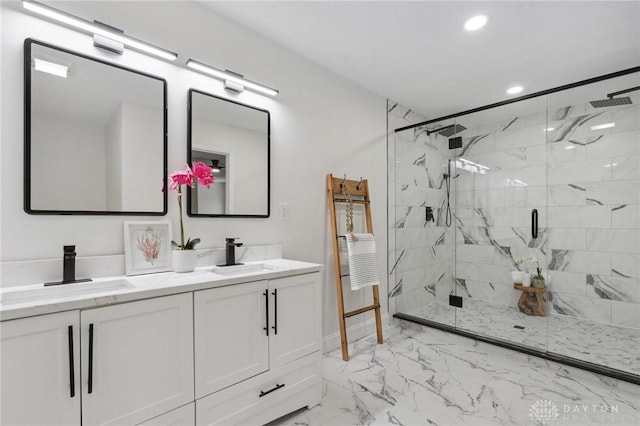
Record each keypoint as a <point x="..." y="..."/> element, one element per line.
<point x="418" y="54"/>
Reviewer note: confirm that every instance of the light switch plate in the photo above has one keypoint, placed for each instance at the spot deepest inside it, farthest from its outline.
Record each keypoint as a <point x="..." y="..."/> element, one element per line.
<point x="284" y="211"/>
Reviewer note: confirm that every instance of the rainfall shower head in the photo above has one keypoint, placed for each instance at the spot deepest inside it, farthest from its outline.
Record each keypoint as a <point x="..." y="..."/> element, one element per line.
<point x="447" y="131"/>
<point x="603" y="103"/>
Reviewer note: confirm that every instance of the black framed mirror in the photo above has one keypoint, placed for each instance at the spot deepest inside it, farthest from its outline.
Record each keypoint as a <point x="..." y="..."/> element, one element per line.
<point x="233" y="139"/>
<point x="95" y="138"/>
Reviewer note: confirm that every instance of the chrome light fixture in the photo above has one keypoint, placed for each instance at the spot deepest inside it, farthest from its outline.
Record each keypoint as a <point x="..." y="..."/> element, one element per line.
<point x="232" y="81"/>
<point x="97" y="29"/>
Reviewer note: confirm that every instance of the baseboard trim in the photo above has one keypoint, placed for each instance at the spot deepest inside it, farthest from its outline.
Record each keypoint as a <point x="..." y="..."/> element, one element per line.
<point x="355" y="332"/>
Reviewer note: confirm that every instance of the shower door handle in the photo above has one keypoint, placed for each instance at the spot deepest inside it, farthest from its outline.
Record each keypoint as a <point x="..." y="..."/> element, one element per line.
<point x="534" y="223"/>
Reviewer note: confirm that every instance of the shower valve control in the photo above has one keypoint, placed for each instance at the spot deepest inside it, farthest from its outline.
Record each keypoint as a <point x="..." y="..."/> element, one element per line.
<point x="429" y="214"/>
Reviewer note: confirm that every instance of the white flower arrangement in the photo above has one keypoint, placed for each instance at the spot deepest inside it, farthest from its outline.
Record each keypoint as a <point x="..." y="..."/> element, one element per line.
<point x="526" y="259"/>
<point x="530" y="259"/>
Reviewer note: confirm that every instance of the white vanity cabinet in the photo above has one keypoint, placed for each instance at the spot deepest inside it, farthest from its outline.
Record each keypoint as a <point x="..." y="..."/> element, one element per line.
<point x="183" y="416"/>
<point x="231" y="342"/>
<point x="295" y="324"/>
<point x="213" y="351"/>
<point x="137" y="359"/>
<point x="40" y="371"/>
<point x="257" y="350"/>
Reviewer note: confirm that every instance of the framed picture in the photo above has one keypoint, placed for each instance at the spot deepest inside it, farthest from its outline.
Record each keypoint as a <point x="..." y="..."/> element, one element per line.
<point x="147" y="247"/>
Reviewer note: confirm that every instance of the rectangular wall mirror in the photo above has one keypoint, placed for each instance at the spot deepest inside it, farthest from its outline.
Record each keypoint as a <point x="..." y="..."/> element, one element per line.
<point x="95" y="135"/>
<point x="233" y="138"/>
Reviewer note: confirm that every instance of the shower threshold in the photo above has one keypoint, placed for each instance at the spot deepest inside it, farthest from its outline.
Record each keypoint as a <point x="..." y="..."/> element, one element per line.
<point x="551" y="356"/>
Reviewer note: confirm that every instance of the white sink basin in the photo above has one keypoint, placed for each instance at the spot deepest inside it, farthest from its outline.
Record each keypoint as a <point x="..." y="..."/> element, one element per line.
<point x="36" y="293"/>
<point x="242" y="269"/>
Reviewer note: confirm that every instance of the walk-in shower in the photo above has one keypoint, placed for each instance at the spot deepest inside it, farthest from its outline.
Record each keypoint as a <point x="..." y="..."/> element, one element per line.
<point x="573" y="163"/>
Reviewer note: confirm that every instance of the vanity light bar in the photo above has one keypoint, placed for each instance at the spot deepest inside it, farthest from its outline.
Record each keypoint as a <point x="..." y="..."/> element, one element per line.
<point x="230" y="76"/>
<point x="96" y="29"/>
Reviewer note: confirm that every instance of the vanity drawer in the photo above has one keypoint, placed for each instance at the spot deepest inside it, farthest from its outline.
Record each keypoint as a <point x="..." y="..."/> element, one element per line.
<point x="264" y="397"/>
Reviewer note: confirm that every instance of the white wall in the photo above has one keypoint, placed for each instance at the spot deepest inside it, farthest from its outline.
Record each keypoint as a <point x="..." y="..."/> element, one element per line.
<point x="141" y="132"/>
<point x="114" y="161"/>
<point x="320" y="124"/>
<point x="53" y="141"/>
<point x="247" y="170"/>
<point x="213" y="198"/>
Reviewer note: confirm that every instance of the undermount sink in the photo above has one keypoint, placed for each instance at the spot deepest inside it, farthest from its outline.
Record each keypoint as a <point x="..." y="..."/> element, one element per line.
<point x="36" y="293"/>
<point x="242" y="269"/>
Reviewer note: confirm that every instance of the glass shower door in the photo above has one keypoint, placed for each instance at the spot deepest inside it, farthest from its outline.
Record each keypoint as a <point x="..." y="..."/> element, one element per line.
<point x="421" y="263"/>
<point x="549" y="183"/>
<point x="500" y="221"/>
<point x="594" y="223"/>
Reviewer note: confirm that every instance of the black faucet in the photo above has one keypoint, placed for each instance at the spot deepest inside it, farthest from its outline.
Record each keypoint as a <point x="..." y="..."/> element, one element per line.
<point x="69" y="265"/>
<point x="231" y="252"/>
<point x="69" y="268"/>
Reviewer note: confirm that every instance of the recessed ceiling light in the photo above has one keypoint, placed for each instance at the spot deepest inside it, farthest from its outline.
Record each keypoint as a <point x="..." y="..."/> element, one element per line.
<point x="50" y="67"/>
<point x="475" y="23"/>
<point x="514" y="90"/>
<point x="548" y="129"/>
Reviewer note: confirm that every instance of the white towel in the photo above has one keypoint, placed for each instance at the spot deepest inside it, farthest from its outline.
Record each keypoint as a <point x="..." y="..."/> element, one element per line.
<point x="363" y="268"/>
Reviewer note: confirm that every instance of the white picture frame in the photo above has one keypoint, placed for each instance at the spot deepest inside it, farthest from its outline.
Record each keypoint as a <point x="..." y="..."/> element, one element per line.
<point x="147" y="247"/>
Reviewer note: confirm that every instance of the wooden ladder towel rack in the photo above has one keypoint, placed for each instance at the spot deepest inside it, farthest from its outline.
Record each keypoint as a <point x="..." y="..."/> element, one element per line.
<point x="359" y="190"/>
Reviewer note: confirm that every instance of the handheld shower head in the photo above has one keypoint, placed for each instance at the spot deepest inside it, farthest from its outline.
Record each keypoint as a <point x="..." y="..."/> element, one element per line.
<point x="448" y="168"/>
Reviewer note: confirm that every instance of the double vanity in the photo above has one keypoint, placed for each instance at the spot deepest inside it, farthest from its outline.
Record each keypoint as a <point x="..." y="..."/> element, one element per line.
<point x="235" y="345"/>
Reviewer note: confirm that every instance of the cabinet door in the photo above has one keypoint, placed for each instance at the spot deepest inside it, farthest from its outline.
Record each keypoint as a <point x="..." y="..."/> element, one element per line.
<point x="295" y="324"/>
<point x="40" y="371"/>
<point x="231" y="342"/>
<point x="139" y="359"/>
<point x="183" y="416"/>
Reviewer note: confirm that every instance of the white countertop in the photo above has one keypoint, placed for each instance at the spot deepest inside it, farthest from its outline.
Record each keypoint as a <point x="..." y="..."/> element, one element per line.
<point x="145" y="286"/>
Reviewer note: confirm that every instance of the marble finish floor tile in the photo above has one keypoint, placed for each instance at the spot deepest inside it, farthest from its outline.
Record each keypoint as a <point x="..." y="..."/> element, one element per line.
<point x="603" y="344"/>
<point x="424" y="376"/>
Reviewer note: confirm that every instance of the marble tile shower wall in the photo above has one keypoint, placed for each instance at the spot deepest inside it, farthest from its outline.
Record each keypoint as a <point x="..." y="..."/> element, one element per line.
<point x="586" y="187"/>
<point x="500" y="178"/>
<point x="593" y="213"/>
<point x="420" y="251"/>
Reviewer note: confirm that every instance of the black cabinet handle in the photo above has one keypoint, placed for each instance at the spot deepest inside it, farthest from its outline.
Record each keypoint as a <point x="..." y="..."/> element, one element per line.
<point x="266" y="305"/>
<point x="275" y="311"/>
<point x="90" y="381"/>
<point x="263" y="393"/>
<point x="72" y="377"/>
<point x="534" y="223"/>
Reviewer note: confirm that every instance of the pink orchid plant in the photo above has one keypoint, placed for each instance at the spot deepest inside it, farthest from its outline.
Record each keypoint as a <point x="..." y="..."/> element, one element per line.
<point x="203" y="175"/>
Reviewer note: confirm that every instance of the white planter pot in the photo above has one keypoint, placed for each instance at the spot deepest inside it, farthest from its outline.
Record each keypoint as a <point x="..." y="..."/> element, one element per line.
<point x="516" y="277"/>
<point x="184" y="260"/>
<point x="526" y="280"/>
